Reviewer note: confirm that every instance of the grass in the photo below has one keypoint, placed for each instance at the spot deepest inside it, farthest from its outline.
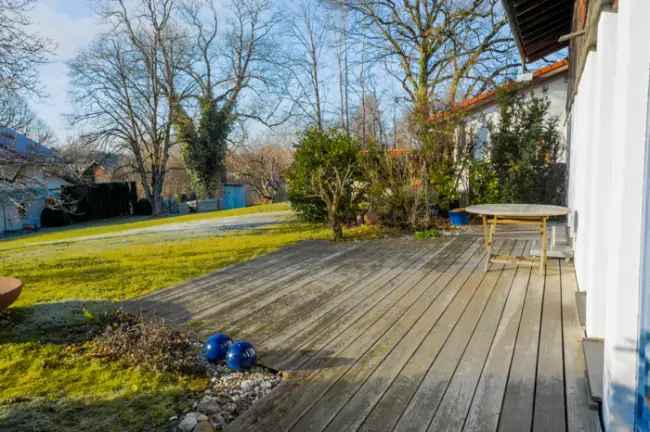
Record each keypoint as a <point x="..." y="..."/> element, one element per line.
<point x="125" y="224"/>
<point x="46" y="380"/>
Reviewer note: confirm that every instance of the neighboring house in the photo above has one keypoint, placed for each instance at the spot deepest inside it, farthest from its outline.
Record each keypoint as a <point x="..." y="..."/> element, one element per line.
<point x="550" y="81"/>
<point x="22" y="202"/>
<point x="609" y="181"/>
<point x="96" y="173"/>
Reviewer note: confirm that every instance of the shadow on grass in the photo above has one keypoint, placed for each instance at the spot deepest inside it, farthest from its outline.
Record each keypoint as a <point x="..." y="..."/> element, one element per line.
<point x="68" y="322"/>
<point x="142" y="412"/>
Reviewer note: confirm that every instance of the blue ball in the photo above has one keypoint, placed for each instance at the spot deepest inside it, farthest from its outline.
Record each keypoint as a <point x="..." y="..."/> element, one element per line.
<point x="241" y="355"/>
<point x="216" y="347"/>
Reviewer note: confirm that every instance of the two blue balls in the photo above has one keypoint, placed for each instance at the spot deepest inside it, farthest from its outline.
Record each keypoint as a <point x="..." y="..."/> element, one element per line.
<point x="241" y="355"/>
<point x="216" y="347"/>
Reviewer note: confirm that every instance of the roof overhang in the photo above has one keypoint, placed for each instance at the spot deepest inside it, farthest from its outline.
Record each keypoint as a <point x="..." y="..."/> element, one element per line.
<point x="538" y="24"/>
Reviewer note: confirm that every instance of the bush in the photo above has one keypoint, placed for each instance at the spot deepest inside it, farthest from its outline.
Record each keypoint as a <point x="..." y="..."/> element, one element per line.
<point x="525" y="145"/>
<point x="143" y="207"/>
<point x="427" y="234"/>
<point x="54" y="218"/>
<point x="325" y="178"/>
<point x="100" y="201"/>
<point x="397" y="193"/>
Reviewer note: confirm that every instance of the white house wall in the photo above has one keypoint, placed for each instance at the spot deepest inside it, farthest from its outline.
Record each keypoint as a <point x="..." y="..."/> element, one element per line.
<point x="606" y="191"/>
<point x="555" y="88"/>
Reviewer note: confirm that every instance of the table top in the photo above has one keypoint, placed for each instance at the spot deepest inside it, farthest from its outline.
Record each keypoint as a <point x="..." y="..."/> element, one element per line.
<point x="518" y="210"/>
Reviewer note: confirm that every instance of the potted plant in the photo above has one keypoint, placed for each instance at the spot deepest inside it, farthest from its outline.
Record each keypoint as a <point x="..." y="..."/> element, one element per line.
<point x="458" y="217"/>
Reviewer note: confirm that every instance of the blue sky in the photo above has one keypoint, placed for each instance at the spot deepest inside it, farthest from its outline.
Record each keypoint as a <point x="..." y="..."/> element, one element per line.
<point x="71" y="24"/>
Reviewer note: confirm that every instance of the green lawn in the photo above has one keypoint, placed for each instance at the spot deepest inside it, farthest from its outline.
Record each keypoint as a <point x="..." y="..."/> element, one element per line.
<point x="125" y="224"/>
<point x="46" y="380"/>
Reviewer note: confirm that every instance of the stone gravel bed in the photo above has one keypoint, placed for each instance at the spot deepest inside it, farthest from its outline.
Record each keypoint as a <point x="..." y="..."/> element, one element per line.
<point x="229" y="394"/>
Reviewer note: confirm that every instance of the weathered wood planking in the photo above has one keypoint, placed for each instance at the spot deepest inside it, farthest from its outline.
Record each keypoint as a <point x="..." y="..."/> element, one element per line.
<point x="299" y="312"/>
<point x="353" y="413"/>
<point x="452" y="411"/>
<point x="234" y="296"/>
<point x="244" y="272"/>
<point x="389" y="351"/>
<point x="340" y="354"/>
<point x="580" y="418"/>
<point x="519" y="399"/>
<point x="485" y="408"/>
<point x="399" y="334"/>
<point x="419" y="412"/>
<point x="389" y="408"/>
<point x="283" y="296"/>
<point x="550" y="404"/>
<point x="377" y="296"/>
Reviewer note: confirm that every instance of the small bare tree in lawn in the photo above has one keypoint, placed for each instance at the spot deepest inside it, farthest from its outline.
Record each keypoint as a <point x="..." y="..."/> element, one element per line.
<point x="326" y="168"/>
<point x="262" y="167"/>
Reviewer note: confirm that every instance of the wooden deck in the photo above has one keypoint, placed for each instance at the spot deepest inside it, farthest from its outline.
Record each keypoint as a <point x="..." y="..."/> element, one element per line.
<point x="401" y="335"/>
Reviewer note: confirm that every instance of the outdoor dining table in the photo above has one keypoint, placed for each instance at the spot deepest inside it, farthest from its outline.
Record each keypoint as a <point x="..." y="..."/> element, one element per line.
<point x="520" y="214"/>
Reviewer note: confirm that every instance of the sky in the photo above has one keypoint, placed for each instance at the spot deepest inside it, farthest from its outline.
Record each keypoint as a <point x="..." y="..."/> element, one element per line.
<point x="71" y="24"/>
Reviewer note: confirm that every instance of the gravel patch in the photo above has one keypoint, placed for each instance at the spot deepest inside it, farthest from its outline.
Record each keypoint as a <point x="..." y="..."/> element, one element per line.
<point x="229" y="394"/>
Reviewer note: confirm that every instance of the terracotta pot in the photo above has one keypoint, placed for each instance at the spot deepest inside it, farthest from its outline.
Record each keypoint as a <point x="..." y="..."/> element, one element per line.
<point x="10" y="289"/>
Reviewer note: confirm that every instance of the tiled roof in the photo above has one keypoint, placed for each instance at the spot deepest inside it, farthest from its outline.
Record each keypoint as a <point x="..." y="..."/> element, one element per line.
<point x="538" y="76"/>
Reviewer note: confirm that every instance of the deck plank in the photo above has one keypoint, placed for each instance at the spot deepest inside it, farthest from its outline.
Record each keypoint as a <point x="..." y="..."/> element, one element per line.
<point x="241" y="298"/>
<point x="339" y="409"/>
<point x="340" y="355"/>
<point x="352" y="317"/>
<point x="579" y="416"/>
<point x="249" y="271"/>
<point x="324" y="296"/>
<point x="550" y="404"/>
<point x="398" y="334"/>
<point x="389" y="408"/>
<point x="457" y="399"/>
<point x="281" y="297"/>
<point x="485" y="408"/>
<point x="352" y="415"/>
<point x="422" y="406"/>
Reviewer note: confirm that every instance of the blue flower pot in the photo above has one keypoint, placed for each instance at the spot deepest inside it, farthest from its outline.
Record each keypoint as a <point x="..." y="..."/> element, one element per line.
<point x="216" y="347"/>
<point x="241" y="355"/>
<point x="458" y="217"/>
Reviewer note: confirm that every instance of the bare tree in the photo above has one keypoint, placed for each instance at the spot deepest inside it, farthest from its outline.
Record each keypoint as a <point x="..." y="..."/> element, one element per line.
<point x="262" y="167"/>
<point x="16" y="114"/>
<point x="21" y="51"/>
<point x="440" y="52"/>
<point x="234" y="77"/>
<point x="122" y="85"/>
<point x="311" y="37"/>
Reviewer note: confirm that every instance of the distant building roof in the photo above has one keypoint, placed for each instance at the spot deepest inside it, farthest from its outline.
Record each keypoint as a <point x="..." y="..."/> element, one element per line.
<point x="22" y="145"/>
<point x="539" y="76"/>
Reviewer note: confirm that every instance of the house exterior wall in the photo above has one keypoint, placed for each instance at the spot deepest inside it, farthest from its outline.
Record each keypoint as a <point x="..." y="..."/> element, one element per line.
<point x="607" y="186"/>
<point x="555" y="88"/>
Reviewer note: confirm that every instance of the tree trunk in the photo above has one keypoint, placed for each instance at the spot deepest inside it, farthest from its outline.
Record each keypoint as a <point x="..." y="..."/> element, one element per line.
<point x="337" y="229"/>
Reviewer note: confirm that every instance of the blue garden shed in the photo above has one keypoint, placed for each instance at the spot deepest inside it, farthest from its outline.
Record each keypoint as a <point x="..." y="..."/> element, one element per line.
<point x="234" y="196"/>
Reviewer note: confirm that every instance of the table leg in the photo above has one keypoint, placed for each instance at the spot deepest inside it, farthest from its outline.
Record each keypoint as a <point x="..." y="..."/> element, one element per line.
<point x="485" y="231"/>
<point x="491" y="229"/>
<point x="543" y="245"/>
